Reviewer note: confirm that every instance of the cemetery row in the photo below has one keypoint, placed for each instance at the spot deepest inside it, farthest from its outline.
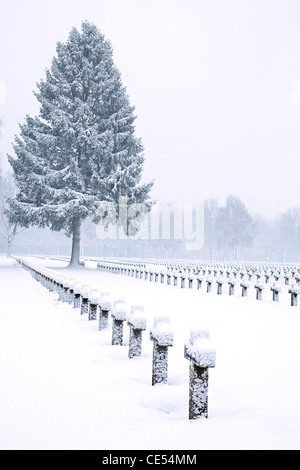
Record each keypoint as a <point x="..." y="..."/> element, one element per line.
<point x="97" y="305"/>
<point x="243" y="279"/>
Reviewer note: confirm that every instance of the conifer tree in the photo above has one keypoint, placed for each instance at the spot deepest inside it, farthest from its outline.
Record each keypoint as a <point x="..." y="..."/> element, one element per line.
<point x="81" y="150"/>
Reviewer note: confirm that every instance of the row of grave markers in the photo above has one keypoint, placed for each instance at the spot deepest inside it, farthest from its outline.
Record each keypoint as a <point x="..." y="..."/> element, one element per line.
<point x="198" y="350"/>
<point x="189" y="277"/>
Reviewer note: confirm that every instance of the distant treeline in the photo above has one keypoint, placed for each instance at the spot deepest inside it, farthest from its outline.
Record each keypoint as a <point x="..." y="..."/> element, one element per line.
<point x="230" y="233"/>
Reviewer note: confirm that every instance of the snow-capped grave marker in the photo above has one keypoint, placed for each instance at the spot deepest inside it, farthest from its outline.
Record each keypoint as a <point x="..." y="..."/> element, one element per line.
<point x="77" y="294"/>
<point x="209" y="282"/>
<point x="294" y="291"/>
<point x="54" y="283"/>
<point x="267" y="277"/>
<point x="60" y="288"/>
<point x="137" y="323"/>
<point x="48" y="281"/>
<point x="105" y="308"/>
<point x="220" y="282"/>
<point x="202" y="356"/>
<point x="259" y="286"/>
<point x="228" y="273"/>
<point x="85" y="290"/>
<point x="65" y="294"/>
<point x="183" y="278"/>
<point x="275" y="289"/>
<point x="163" y="337"/>
<point x="42" y="277"/>
<point x="245" y="285"/>
<point x="67" y="290"/>
<point x="50" y="284"/>
<point x="231" y="283"/>
<point x="71" y="291"/>
<point x="277" y="276"/>
<point x="199" y="281"/>
<point x="93" y="304"/>
<point x="191" y="280"/>
<point x="118" y="314"/>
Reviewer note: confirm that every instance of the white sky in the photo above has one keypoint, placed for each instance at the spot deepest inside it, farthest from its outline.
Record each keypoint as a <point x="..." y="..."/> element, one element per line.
<point x="216" y="85"/>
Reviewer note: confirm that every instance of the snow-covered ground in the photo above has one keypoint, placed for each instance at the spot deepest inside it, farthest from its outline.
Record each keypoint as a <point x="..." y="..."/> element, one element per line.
<point x="63" y="386"/>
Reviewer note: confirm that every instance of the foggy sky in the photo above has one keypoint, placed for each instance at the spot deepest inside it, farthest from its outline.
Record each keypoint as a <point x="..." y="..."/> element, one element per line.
<point x="215" y="83"/>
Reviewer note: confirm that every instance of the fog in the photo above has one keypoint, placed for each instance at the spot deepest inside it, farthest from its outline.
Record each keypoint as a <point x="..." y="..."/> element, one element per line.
<point x="215" y="83"/>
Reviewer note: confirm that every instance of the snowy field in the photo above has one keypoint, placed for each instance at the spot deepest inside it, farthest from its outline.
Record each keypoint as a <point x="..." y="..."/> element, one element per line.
<point x="63" y="386"/>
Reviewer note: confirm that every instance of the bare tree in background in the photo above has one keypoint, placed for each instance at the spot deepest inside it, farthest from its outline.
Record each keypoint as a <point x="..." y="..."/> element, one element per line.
<point x="237" y="225"/>
<point x="8" y="231"/>
<point x="288" y="229"/>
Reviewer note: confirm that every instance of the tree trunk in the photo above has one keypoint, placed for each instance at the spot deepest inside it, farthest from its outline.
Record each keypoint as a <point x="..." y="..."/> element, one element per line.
<point x="9" y="249"/>
<point x="76" y="242"/>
